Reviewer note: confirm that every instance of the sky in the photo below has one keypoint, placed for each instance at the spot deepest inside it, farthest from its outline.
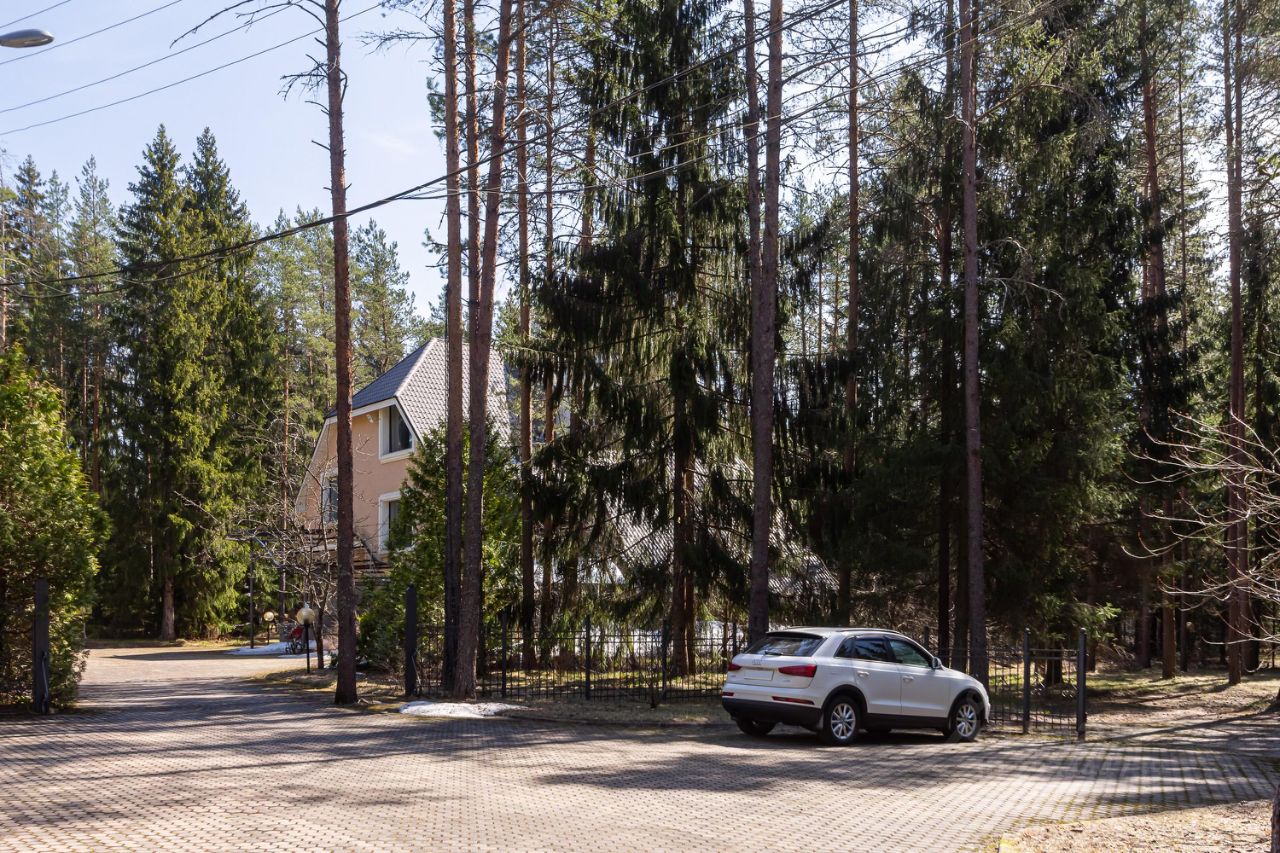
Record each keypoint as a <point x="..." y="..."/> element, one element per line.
<point x="265" y="139"/>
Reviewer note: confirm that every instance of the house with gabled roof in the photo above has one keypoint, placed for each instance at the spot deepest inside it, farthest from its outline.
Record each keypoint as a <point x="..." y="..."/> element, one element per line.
<point x="389" y="417"/>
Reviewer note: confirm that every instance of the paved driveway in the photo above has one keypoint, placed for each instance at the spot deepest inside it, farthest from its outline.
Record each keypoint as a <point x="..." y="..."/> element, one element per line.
<point x="176" y="750"/>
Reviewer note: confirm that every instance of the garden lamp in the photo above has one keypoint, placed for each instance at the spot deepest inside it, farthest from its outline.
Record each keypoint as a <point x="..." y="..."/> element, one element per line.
<point x="306" y="616"/>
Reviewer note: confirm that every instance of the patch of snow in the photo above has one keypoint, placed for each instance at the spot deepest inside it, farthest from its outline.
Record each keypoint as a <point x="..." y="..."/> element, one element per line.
<point x="269" y="650"/>
<point x="458" y="710"/>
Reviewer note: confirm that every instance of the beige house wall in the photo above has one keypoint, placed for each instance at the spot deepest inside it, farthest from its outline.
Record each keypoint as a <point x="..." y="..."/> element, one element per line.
<point x="375" y="476"/>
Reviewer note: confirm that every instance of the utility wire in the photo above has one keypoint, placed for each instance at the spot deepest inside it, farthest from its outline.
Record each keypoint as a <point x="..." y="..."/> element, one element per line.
<point x="415" y="191"/>
<point x="127" y="71"/>
<point x="33" y="14"/>
<point x="385" y="200"/>
<point x="138" y="17"/>
<point x="196" y="76"/>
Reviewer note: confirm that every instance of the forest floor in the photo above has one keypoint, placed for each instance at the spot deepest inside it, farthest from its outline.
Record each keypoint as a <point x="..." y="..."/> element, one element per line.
<point x="1126" y="702"/>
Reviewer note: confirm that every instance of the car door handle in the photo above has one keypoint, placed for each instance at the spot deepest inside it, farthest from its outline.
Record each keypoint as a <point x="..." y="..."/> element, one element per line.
<point x="908" y="678"/>
<point x="862" y="673"/>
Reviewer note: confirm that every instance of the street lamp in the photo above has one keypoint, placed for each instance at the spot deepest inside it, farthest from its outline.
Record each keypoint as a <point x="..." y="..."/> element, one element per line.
<point x="306" y="616"/>
<point x="25" y="38"/>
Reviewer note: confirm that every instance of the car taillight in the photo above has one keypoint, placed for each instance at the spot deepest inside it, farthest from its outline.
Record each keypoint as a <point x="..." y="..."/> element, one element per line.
<point x="734" y="667"/>
<point x="804" y="670"/>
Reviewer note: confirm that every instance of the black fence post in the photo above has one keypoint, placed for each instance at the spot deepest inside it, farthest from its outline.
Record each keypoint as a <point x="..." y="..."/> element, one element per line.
<point x="40" y="649"/>
<point x="506" y="645"/>
<point x="653" y="676"/>
<point x="410" y="641"/>
<point x="1081" y="712"/>
<point x="588" y="661"/>
<point x="666" y="638"/>
<point x="1026" y="680"/>
<point x="252" y="615"/>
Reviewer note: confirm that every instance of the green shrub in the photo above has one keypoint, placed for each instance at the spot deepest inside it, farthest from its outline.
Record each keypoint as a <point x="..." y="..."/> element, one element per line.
<point x="50" y="526"/>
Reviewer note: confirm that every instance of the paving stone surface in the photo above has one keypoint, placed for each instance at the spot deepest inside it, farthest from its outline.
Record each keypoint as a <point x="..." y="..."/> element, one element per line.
<point x="176" y="750"/>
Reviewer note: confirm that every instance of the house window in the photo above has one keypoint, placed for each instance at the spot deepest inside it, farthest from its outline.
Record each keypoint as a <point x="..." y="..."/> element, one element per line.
<point x="388" y="512"/>
<point x="397" y="436"/>
<point x="329" y="500"/>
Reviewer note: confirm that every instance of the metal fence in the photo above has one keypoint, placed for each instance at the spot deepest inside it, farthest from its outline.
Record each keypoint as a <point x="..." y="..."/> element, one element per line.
<point x="1039" y="690"/>
<point x="1032" y="689"/>
<point x="591" y="662"/>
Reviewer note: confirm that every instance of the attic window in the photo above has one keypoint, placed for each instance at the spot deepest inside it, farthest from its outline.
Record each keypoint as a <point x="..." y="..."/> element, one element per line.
<point x="398" y="437"/>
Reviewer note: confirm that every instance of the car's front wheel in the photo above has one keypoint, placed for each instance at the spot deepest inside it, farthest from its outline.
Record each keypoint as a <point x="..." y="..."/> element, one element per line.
<point x="840" y="720"/>
<point x="965" y="720"/>
<point x="755" y="728"/>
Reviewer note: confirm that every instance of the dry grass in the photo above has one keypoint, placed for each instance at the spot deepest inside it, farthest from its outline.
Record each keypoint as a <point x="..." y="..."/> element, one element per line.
<point x="380" y="692"/>
<point x="212" y="645"/>
<point x="693" y="712"/>
<point x="1236" y="827"/>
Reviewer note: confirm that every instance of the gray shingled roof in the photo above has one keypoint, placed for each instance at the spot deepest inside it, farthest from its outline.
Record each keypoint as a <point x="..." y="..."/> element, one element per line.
<point x="419" y="382"/>
<point x="388" y="384"/>
<point x="424" y="394"/>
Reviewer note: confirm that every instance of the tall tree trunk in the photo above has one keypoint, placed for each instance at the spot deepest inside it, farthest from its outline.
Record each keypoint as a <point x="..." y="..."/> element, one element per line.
<point x="345" y="693"/>
<point x="1237" y="549"/>
<point x="1142" y="650"/>
<point x="753" y="201"/>
<point x="845" y="579"/>
<point x="680" y="547"/>
<point x="548" y="274"/>
<point x="168" y="629"/>
<point x="4" y="282"/>
<point x="99" y="367"/>
<point x="528" y="589"/>
<point x="972" y="391"/>
<point x="453" y="342"/>
<point x="763" y="343"/>
<point x="946" y="340"/>
<point x="471" y="611"/>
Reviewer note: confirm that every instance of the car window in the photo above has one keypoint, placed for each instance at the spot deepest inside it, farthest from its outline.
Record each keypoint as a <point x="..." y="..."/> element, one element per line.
<point x="908" y="654"/>
<point x="794" y="645"/>
<point x="865" y="648"/>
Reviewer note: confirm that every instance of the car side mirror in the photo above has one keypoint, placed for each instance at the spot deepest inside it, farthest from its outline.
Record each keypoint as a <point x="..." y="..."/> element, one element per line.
<point x="936" y="663"/>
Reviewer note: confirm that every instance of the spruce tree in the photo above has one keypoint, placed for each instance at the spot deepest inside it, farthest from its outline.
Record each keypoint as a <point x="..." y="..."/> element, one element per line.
<point x="647" y="328"/>
<point x="173" y="498"/>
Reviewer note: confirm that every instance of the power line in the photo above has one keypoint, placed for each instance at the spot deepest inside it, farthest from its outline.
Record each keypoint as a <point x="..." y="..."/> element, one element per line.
<point x="33" y="14"/>
<point x="138" y="17"/>
<point x="414" y="192"/>
<point x="184" y="80"/>
<point x="385" y="200"/>
<point x="127" y="71"/>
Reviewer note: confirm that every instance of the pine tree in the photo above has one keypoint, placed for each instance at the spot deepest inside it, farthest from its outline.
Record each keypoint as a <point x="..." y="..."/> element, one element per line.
<point x="386" y="326"/>
<point x="92" y="252"/>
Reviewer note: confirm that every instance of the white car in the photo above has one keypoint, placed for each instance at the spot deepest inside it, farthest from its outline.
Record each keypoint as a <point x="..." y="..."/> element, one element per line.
<point x="839" y="681"/>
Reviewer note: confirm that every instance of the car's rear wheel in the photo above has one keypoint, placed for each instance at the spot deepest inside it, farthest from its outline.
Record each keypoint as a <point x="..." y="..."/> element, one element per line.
<point x="840" y="719"/>
<point x="965" y="720"/>
<point x="755" y="728"/>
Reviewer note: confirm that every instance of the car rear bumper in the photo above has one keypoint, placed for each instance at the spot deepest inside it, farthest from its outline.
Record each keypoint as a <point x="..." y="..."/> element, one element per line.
<point x="772" y="712"/>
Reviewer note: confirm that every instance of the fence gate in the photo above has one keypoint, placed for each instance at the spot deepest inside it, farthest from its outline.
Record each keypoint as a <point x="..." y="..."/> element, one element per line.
<point x="1038" y="690"/>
